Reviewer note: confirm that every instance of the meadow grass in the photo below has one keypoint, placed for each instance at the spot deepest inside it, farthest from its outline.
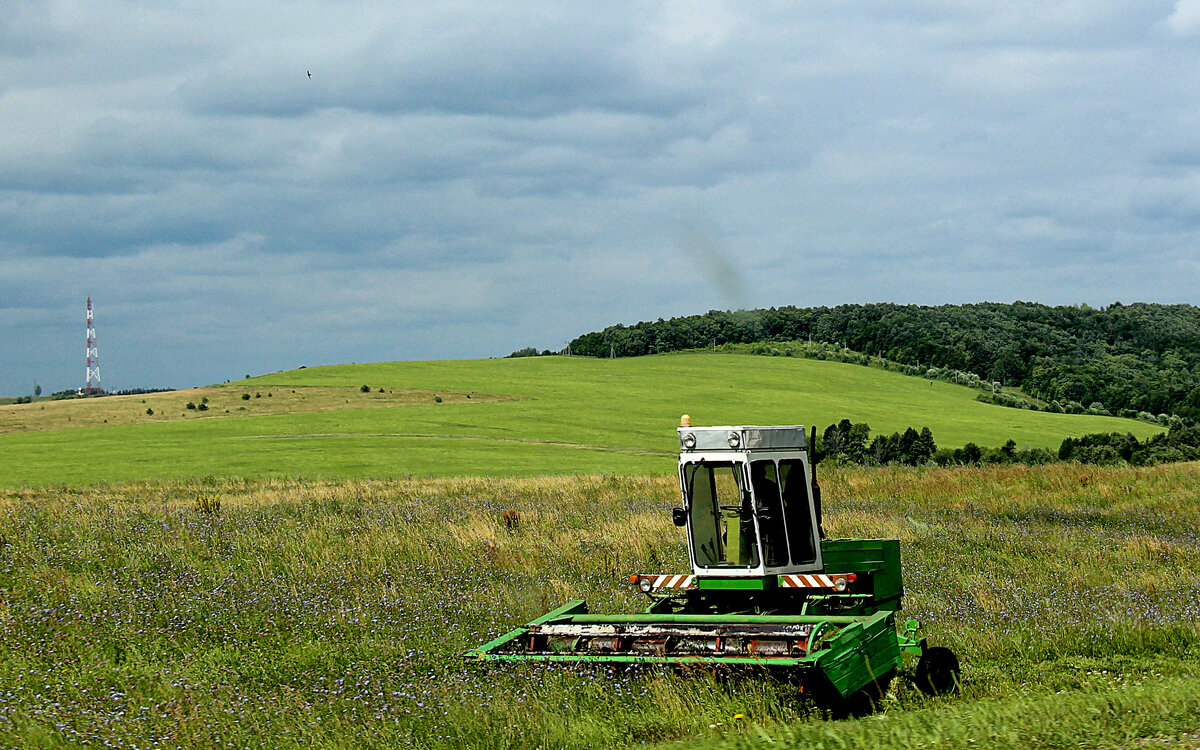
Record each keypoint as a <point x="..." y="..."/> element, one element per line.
<point x="505" y="417"/>
<point x="221" y="402"/>
<point x="332" y="613"/>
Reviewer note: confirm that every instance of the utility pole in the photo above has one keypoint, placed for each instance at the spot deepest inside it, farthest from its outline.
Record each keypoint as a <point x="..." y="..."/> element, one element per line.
<point x="93" y="356"/>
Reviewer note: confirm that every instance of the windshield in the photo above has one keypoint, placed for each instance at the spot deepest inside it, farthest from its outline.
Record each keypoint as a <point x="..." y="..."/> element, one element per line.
<point x="721" y="518"/>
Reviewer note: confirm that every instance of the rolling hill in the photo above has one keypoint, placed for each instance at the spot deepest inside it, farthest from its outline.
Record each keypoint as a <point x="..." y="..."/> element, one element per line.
<point x="500" y="417"/>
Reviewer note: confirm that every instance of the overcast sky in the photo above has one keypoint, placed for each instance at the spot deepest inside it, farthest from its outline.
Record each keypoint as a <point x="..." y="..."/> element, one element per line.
<point x="462" y="179"/>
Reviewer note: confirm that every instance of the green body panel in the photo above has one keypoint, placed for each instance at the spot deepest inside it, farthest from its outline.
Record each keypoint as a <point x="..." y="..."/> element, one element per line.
<point x="875" y="561"/>
<point x="757" y="583"/>
<point x="861" y="653"/>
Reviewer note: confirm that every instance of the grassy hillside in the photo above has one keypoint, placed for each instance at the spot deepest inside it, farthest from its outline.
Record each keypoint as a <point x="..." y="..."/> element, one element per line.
<point x="1142" y="357"/>
<point x="505" y="417"/>
<point x="287" y="613"/>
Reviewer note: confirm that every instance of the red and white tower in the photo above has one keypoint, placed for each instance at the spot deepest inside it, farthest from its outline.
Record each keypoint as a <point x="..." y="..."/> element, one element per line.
<point x="93" y="356"/>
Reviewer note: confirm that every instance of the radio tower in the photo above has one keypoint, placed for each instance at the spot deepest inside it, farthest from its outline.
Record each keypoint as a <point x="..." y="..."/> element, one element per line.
<point x="93" y="356"/>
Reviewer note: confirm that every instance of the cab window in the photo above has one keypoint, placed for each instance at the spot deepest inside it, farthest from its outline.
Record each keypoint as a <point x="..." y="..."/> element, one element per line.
<point x="768" y="506"/>
<point x="720" y="515"/>
<point x="801" y="531"/>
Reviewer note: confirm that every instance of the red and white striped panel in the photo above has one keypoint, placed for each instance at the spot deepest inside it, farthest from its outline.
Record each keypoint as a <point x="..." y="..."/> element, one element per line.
<point x="671" y="582"/>
<point x="806" y="581"/>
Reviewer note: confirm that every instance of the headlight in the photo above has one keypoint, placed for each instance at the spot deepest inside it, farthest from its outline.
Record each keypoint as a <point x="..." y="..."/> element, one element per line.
<point x="689" y="441"/>
<point x="645" y="585"/>
<point x="734" y="439"/>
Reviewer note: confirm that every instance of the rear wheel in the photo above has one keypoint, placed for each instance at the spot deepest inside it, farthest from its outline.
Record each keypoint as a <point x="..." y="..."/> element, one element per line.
<point x="937" y="671"/>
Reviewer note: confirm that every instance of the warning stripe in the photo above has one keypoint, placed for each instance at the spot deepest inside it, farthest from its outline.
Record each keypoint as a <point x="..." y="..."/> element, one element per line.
<point x="672" y="581"/>
<point x="806" y="581"/>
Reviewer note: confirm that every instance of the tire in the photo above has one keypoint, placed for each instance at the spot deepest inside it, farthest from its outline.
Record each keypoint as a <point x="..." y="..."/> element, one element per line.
<point x="937" y="671"/>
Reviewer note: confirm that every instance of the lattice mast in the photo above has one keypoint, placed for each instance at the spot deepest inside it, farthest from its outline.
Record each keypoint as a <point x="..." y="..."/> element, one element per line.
<point x="93" y="355"/>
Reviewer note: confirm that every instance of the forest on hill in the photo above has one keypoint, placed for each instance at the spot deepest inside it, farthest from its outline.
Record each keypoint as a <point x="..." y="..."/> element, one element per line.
<point x="1121" y="358"/>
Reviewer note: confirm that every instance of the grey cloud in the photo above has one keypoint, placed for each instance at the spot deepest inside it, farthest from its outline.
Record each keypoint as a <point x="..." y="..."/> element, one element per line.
<point x="463" y="179"/>
<point x="497" y="63"/>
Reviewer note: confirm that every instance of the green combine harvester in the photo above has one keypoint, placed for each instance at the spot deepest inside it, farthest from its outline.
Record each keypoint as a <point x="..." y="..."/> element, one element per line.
<point x="766" y="588"/>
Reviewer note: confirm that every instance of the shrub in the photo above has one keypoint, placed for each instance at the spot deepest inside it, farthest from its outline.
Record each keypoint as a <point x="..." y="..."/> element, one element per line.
<point x="191" y="405"/>
<point x="968" y="454"/>
<point x="365" y="389"/>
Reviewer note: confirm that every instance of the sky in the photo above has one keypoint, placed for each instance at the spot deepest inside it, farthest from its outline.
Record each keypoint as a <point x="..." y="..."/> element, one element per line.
<point x="464" y="179"/>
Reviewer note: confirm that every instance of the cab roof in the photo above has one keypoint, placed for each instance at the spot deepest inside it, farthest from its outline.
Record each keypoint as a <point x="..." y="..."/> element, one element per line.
<point x="742" y="438"/>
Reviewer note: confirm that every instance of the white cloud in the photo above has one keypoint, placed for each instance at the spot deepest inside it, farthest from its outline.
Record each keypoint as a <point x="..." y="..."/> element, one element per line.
<point x="1185" y="18"/>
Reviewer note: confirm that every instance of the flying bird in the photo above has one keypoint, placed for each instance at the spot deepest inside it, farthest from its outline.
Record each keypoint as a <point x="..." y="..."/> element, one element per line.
<point x="309" y="73"/>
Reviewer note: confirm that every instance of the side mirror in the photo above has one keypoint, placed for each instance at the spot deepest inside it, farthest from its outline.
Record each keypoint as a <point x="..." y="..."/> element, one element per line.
<point x="679" y="516"/>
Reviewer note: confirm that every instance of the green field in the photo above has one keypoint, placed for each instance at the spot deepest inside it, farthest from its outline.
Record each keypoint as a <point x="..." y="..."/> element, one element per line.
<point x="285" y="613"/>
<point x="294" y="565"/>
<point x="500" y="417"/>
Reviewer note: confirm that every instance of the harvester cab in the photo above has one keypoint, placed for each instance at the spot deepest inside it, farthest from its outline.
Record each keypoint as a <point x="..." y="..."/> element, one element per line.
<point x="749" y="502"/>
<point x="765" y="588"/>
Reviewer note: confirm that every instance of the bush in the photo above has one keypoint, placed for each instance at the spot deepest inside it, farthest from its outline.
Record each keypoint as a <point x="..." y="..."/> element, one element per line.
<point x="191" y="405"/>
<point x="245" y="396"/>
<point x="365" y="389"/>
<point x="968" y="454"/>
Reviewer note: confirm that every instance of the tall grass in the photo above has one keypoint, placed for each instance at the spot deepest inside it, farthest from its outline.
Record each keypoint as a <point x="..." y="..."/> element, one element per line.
<point x="283" y="613"/>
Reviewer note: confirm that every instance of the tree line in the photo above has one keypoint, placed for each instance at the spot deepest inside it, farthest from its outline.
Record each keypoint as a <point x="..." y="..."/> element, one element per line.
<point x="1138" y="358"/>
<point x="850" y="443"/>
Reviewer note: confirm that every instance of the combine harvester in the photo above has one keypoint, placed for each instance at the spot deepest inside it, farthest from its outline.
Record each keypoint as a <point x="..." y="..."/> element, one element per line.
<point x="766" y="588"/>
